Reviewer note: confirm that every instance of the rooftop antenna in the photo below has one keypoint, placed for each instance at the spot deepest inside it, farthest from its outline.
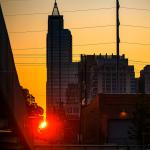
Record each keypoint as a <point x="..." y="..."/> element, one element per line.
<point x="117" y="41"/>
<point x="55" y="11"/>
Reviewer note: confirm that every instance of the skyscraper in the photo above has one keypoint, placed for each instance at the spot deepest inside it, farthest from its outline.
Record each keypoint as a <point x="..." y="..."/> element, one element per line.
<point x="59" y="59"/>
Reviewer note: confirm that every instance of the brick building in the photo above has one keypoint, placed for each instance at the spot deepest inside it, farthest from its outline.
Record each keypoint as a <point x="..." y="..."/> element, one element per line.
<point x="108" y="118"/>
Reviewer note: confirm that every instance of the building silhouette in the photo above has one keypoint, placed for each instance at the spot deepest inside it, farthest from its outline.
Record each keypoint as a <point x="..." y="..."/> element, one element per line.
<point x="13" y="114"/>
<point x="107" y="79"/>
<point x="108" y="118"/>
<point x="144" y="80"/>
<point x="99" y="75"/>
<point x="61" y="71"/>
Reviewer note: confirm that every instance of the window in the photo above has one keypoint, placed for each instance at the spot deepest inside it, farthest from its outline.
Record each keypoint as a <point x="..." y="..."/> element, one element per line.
<point x="69" y="110"/>
<point x="76" y="110"/>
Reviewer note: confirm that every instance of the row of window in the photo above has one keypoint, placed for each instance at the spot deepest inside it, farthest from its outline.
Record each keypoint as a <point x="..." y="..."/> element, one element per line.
<point x="72" y="110"/>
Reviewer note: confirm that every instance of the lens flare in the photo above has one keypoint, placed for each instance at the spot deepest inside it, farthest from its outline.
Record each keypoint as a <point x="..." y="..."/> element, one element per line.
<point x="43" y="125"/>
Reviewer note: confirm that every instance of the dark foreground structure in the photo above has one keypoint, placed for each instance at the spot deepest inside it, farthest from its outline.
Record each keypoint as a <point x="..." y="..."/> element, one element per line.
<point x="89" y="147"/>
<point x="121" y="119"/>
<point x="12" y="102"/>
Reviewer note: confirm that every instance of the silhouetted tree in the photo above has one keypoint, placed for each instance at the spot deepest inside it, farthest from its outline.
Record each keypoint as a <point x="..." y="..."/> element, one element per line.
<point x="141" y="123"/>
<point x="32" y="108"/>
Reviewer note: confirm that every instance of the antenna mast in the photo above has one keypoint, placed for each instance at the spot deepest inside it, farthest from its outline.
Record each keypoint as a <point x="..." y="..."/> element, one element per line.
<point x="117" y="41"/>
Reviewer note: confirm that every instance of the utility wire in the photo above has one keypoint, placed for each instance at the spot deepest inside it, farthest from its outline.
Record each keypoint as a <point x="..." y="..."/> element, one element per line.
<point x="145" y="44"/>
<point x="141" y="62"/>
<point x="33" y="48"/>
<point x="14" y="0"/>
<point x="73" y="55"/>
<point x="95" y="44"/>
<point x="31" y="54"/>
<point x="91" y="9"/>
<point x="80" y="28"/>
<point x="138" y="61"/>
<point x="135" y="26"/>
<point x="133" y="8"/>
<point x="80" y="10"/>
<point x="27" y="14"/>
<point x="76" y="28"/>
<point x="44" y="63"/>
<point x="102" y="26"/>
<point x="67" y="11"/>
<point x="33" y="31"/>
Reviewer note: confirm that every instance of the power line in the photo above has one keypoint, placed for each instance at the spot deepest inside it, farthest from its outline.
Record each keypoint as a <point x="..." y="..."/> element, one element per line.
<point x="80" y="10"/>
<point x="74" y="28"/>
<point x="138" y="61"/>
<point x="44" y="63"/>
<point x="67" y="11"/>
<point x="29" y="14"/>
<point x="135" y="26"/>
<point x="33" y="48"/>
<point x="102" y="26"/>
<point x="31" y="54"/>
<point x="73" y="55"/>
<point x="133" y="8"/>
<point x="91" y="9"/>
<point x="31" y="57"/>
<point x="94" y="44"/>
<point x="145" y="44"/>
<point x="30" y="31"/>
<point x="13" y="0"/>
<point x="39" y="63"/>
<point x="31" y="63"/>
<point x="80" y="28"/>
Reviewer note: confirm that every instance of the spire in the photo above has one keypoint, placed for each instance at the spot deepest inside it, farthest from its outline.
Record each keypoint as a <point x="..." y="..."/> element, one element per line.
<point x="55" y="10"/>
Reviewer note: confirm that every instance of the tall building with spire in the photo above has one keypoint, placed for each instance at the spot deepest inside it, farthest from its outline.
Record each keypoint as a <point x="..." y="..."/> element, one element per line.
<point x="60" y="69"/>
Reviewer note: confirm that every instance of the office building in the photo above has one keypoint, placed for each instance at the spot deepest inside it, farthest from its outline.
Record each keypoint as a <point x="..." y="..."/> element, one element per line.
<point x="99" y="75"/>
<point x="61" y="71"/>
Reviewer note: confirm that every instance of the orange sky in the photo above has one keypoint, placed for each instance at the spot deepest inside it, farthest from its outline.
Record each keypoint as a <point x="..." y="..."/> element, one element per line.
<point x="31" y="63"/>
